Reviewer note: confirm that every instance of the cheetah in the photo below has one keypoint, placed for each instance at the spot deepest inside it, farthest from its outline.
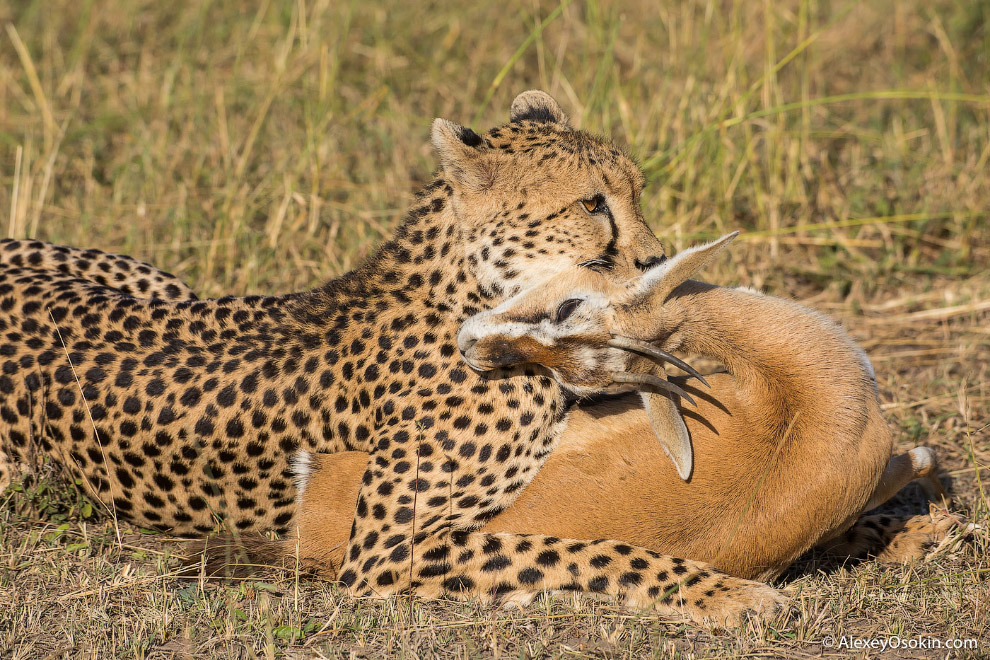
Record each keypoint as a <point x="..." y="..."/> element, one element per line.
<point x="182" y="415"/>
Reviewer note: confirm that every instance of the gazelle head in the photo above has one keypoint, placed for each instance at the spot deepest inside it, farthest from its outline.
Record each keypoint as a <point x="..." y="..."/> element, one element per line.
<point x="594" y="334"/>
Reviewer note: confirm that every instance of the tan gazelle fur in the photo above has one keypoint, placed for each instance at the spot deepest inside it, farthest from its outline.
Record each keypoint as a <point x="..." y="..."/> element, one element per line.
<point x="789" y="446"/>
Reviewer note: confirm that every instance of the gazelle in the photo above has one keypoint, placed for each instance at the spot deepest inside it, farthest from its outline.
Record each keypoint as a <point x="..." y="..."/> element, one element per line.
<point x="783" y="451"/>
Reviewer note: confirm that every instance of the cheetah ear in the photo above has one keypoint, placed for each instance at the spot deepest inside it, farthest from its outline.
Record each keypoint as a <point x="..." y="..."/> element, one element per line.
<point x="462" y="155"/>
<point x="536" y="105"/>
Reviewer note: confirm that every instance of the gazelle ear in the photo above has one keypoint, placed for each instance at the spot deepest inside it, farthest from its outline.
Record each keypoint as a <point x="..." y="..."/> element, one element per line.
<point x="669" y="427"/>
<point x="462" y="155"/>
<point x="537" y="105"/>
<point x="659" y="281"/>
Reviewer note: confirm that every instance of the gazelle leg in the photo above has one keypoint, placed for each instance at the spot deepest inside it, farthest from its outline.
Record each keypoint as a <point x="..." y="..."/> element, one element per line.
<point x="919" y="463"/>
<point x="900" y="537"/>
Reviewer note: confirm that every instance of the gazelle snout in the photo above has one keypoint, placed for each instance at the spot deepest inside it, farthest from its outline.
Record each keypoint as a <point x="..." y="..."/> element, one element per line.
<point x="487" y="341"/>
<point x="467" y="339"/>
<point x="472" y="331"/>
<point x="465" y="343"/>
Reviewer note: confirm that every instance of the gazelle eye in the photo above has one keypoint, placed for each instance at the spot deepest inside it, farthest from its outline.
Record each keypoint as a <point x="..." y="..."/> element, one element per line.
<point x="595" y="204"/>
<point x="566" y="309"/>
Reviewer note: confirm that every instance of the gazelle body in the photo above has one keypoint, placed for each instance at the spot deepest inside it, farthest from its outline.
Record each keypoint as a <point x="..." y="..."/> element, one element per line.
<point x="788" y="446"/>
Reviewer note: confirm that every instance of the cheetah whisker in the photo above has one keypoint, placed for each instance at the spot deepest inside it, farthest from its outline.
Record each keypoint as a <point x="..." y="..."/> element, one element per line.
<point x="650" y="380"/>
<point x="649" y="350"/>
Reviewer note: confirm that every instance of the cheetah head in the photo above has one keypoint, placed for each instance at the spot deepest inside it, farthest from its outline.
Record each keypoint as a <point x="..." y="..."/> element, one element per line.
<point x="595" y="334"/>
<point x="536" y="196"/>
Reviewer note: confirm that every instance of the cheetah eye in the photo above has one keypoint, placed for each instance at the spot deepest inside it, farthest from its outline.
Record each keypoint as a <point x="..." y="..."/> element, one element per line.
<point x="566" y="309"/>
<point x="595" y="204"/>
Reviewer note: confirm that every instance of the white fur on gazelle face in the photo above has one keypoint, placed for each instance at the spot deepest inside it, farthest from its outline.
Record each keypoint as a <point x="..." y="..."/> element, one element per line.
<point x="530" y="328"/>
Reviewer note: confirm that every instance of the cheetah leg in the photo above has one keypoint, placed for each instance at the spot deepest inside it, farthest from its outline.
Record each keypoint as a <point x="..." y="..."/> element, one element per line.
<point x="6" y="470"/>
<point x="900" y="538"/>
<point x="515" y="567"/>
<point x="413" y="527"/>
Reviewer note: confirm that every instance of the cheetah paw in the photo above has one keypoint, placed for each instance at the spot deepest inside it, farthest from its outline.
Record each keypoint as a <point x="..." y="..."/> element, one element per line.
<point x="517" y="600"/>
<point x="6" y="471"/>
<point x="948" y="531"/>
<point x="732" y="603"/>
<point x="925" y="537"/>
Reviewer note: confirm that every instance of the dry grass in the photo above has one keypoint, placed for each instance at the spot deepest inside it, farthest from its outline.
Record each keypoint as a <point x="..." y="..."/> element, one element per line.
<point x="257" y="147"/>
